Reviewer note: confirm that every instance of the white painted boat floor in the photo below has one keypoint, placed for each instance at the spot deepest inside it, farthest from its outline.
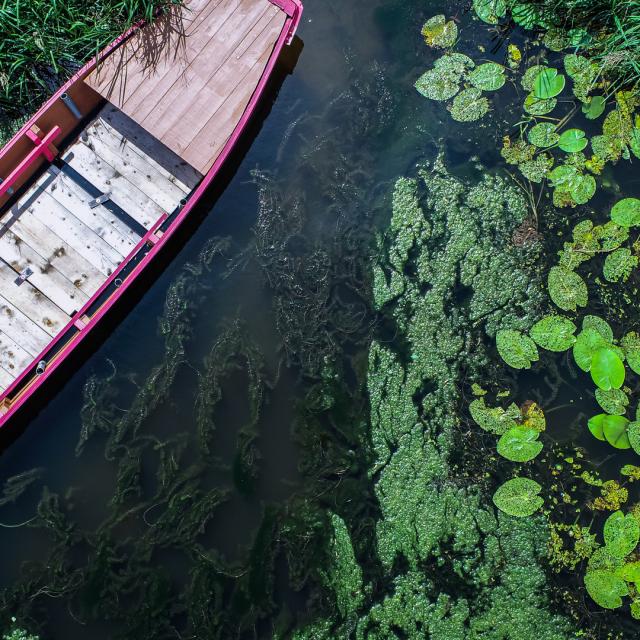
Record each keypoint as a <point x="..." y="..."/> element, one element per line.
<point x="57" y="247"/>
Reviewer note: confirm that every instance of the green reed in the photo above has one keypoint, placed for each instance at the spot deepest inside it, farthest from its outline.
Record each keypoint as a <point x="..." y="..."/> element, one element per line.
<point x="42" y="42"/>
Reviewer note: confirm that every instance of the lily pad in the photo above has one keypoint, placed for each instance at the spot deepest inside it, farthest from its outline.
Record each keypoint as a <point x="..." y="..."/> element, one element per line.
<point x="455" y="63"/>
<point x="614" y="401"/>
<point x="519" y="444"/>
<point x="567" y="289"/>
<point x="633" y="433"/>
<point x="631" y="347"/>
<point x="518" y="497"/>
<point x="495" y="420"/>
<point x="621" y="534"/>
<point x="626" y="212"/>
<point x="536" y="170"/>
<point x="605" y="588"/>
<point x="548" y="84"/>
<point x="490" y="11"/>
<point x="596" y="426"/>
<point x="588" y="341"/>
<point x="619" y="265"/>
<point x="488" y="76"/>
<point x="573" y="140"/>
<point x="438" y="32"/>
<point x="530" y="75"/>
<point x="594" y="108"/>
<point x="607" y="369"/>
<point x="543" y="135"/>
<point x="614" y="429"/>
<point x="469" y="105"/>
<point x="525" y="14"/>
<point x="533" y="417"/>
<point x="538" y="106"/>
<point x="583" y="189"/>
<point x="583" y="72"/>
<point x="436" y="84"/>
<point x="554" y="333"/>
<point x="600" y="325"/>
<point x="516" y="349"/>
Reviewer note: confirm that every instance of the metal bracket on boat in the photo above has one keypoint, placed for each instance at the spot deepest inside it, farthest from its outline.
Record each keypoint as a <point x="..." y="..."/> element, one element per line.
<point x="23" y="275"/>
<point x="42" y="365"/>
<point x="99" y="200"/>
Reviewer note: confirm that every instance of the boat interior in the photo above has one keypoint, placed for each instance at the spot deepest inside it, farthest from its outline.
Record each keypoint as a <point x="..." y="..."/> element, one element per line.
<point x="106" y="165"/>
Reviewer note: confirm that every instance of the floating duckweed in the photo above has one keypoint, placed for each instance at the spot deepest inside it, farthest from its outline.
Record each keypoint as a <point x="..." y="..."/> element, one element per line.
<point x="537" y="169"/>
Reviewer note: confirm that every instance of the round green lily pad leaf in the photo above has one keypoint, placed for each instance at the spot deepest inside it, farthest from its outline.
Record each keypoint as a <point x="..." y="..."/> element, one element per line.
<point x="438" y="32"/>
<point x="631" y="347"/>
<point x="438" y="85"/>
<point x="607" y="369"/>
<point x="519" y="444"/>
<point x="488" y="76"/>
<point x="554" y="333"/>
<point x="614" y="429"/>
<point x="495" y="420"/>
<point x="633" y="433"/>
<point x="626" y="212"/>
<point x="573" y="140"/>
<point x="600" y="325"/>
<point x="630" y="572"/>
<point x="588" y="341"/>
<point x="614" y="401"/>
<point x="516" y="349"/>
<point x="619" y="265"/>
<point x="469" y="105"/>
<point x="525" y="14"/>
<point x="490" y="11"/>
<point x="538" y="106"/>
<point x="605" y="588"/>
<point x="596" y="426"/>
<point x="594" y="108"/>
<point x="583" y="189"/>
<point x="543" y="135"/>
<point x="548" y="84"/>
<point x="530" y="75"/>
<point x="518" y="497"/>
<point x="455" y="63"/>
<point x="621" y="534"/>
<point x="566" y="288"/>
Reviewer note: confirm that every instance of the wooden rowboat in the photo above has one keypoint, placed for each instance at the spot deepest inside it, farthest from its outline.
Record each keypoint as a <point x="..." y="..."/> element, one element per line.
<point x="95" y="184"/>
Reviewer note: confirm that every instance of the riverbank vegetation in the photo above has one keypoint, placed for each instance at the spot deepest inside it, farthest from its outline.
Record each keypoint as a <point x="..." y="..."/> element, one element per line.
<point x="44" y="43"/>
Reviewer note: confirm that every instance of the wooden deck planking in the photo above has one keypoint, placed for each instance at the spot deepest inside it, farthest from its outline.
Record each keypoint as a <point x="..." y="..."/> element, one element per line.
<point x="134" y="165"/>
<point x="122" y="192"/>
<point x="65" y="225"/>
<point x="21" y="329"/>
<point x="55" y="251"/>
<point x="13" y="358"/>
<point x="220" y="60"/>
<point x="134" y="137"/>
<point x="32" y="302"/>
<point x="100" y="220"/>
<point x="59" y="289"/>
<point x="204" y="83"/>
<point x="214" y="133"/>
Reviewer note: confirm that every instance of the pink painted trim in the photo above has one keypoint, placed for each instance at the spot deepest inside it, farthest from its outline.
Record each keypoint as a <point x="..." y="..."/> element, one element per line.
<point x="285" y="36"/>
<point x="41" y="149"/>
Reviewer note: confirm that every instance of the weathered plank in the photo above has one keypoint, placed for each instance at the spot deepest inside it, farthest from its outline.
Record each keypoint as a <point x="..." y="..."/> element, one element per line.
<point x="99" y="219"/>
<point x="60" y="290"/>
<point x="133" y="166"/>
<point x="13" y="358"/>
<point x="157" y="154"/>
<point x="21" y="329"/>
<point x="103" y="176"/>
<point x="32" y="302"/>
<point x="54" y="250"/>
<point x="64" y="224"/>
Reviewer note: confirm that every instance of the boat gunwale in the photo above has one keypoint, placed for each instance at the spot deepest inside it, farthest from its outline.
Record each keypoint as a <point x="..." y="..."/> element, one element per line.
<point x="293" y="10"/>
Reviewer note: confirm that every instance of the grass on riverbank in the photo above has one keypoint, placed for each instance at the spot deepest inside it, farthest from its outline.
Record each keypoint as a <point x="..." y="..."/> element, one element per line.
<point x="43" y="42"/>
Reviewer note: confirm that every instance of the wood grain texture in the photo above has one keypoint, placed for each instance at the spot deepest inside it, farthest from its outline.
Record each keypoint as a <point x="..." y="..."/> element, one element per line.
<point x="191" y="93"/>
